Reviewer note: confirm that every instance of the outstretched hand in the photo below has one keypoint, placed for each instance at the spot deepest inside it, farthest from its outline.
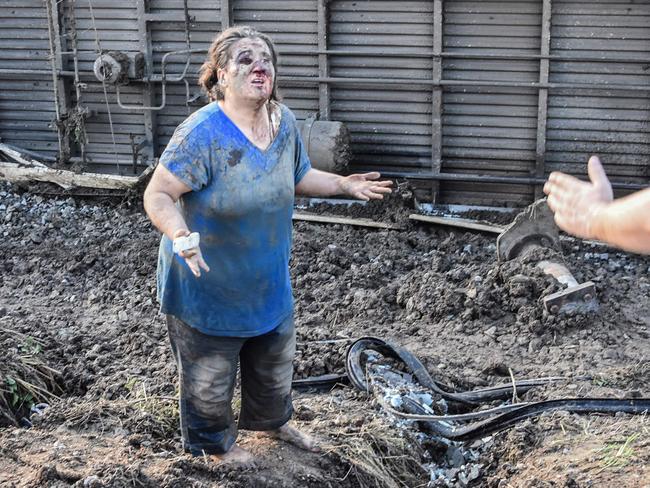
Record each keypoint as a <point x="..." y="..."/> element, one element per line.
<point x="192" y="256"/>
<point x="576" y="203"/>
<point x="365" y="186"/>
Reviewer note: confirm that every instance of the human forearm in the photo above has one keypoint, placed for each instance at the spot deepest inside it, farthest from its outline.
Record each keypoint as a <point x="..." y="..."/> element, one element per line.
<point x="625" y="222"/>
<point x="364" y="186"/>
<point x="163" y="213"/>
<point x="317" y="183"/>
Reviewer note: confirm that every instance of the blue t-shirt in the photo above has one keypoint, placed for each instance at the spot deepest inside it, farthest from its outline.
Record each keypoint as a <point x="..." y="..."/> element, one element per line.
<point x="241" y="203"/>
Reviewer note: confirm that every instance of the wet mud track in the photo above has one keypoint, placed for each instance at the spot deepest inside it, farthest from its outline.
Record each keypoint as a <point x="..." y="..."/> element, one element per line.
<point x="77" y="293"/>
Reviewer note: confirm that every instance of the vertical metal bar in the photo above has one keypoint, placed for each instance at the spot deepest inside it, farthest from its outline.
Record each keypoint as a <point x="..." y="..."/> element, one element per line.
<point x="542" y="103"/>
<point x="80" y="113"/>
<point x="226" y="14"/>
<point x="149" y="149"/>
<point x="323" y="62"/>
<point x="436" y="100"/>
<point x="61" y="84"/>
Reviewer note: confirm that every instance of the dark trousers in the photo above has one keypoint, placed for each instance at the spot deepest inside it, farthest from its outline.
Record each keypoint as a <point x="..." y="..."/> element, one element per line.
<point x="207" y="368"/>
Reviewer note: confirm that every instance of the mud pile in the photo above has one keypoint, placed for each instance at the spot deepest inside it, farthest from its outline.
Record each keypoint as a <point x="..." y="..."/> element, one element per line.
<point x="78" y="276"/>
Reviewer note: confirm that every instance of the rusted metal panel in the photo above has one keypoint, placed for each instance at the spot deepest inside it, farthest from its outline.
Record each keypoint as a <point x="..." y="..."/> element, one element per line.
<point x="436" y="99"/>
<point x="27" y="107"/>
<point x="148" y="88"/>
<point x="391" y="127"/>
<point x="323" y="61"/>
<point x="57" y="45"/>
<point x="490" y="130"/>
<point x="613" y="124"/>
<point x="542" y="102"/>
<point x="109" y="26"/>
<point x="469" y="97"/>
<point x="293" y="26"/>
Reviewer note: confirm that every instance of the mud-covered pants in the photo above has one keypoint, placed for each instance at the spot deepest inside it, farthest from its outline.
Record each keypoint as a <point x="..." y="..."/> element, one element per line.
<point x="207" y="368"/>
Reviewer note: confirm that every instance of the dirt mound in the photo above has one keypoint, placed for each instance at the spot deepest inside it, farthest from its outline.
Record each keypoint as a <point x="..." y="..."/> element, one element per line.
<point x="77" y="276"/>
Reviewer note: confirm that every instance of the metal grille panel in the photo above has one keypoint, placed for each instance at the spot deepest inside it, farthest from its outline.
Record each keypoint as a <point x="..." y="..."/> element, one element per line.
<point x="490" y="130"/>
<point x="613" y="124"/>
<point x="390" y="123"/>
<point x="26" y="107"/>
<point x="516" y="88"/>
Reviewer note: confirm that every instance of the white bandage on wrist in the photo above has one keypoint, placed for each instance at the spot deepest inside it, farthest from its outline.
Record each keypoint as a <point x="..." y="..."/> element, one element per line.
<point x="186" y="242"/>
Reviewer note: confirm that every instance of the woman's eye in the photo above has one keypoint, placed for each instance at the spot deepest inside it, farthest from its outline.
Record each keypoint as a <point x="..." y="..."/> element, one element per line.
<point x="245" y="60"/>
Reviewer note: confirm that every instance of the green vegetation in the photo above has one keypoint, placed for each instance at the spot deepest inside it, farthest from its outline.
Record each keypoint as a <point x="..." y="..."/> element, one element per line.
<point x="618" y="454"/>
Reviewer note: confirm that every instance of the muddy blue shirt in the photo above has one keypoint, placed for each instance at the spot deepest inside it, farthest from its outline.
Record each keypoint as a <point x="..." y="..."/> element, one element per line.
<point x="241" y="203"/>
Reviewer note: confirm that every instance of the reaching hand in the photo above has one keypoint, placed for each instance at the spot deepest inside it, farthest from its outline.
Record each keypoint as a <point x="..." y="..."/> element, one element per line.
<point x="577" y="203"/>
<point x="364" y="187"/>
<point x="193" y="256"/>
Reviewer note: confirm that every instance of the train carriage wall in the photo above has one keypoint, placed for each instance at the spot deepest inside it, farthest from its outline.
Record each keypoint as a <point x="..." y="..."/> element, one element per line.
<point x="436" y="90"/>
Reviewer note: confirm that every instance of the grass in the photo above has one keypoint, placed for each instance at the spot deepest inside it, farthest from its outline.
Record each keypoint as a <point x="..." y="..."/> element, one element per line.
<point x="618" y="454"/>
<point x="25" y="378"/>
<point x="379" y="457"/>
<point x="162" y="409"/>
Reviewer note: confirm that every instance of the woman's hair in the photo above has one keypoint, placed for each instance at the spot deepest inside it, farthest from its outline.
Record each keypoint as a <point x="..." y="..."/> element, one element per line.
<point x="220" y="54"/>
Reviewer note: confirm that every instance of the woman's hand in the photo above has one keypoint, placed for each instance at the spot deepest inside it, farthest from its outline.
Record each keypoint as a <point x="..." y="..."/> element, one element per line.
<point x="578" y="204"/>
<point x="365" y="187"/>
<point x="192" y="256"/>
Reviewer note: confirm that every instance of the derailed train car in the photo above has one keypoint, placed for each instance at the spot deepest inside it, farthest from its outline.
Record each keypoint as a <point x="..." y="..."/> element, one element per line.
<point x="475" y="101"/>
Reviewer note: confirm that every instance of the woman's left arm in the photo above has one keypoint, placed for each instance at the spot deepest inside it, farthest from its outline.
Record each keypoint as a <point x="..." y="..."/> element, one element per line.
<point x="365" y="186"/>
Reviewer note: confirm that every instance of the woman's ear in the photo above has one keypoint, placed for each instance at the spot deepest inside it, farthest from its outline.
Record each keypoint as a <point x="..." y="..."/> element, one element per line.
<point x="221" y="77"/>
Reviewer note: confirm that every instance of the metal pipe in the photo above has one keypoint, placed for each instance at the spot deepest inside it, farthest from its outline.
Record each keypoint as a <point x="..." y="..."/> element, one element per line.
<point x="368" y="81"/>
<point x="455" y="55"/>
<point x="55" y="80"/>
<point x="458" y="55"/>
<point x="163" y="79"/>
<point x="81" y="113"/>
<point x="9" y="71"/>
<point x="558" y="271"/>
<point x="506" y="84"/>
<point x="409" y="81"/>
<point x="514" y="180"/>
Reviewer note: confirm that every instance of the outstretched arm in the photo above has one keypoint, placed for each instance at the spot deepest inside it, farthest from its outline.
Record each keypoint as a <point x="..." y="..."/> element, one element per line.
<point x="588" y="210"/>
<point x="364" y="186"/>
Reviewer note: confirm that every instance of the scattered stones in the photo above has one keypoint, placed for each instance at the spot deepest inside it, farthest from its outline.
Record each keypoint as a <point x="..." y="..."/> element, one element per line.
<point x="84" y="285"/>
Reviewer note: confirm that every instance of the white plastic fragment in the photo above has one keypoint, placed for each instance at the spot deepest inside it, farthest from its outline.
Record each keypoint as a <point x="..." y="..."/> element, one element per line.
<point x="186" y="242"/>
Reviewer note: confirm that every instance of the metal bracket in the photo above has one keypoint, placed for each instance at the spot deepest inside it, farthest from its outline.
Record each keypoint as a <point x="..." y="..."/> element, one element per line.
<point x="580" y="297"/>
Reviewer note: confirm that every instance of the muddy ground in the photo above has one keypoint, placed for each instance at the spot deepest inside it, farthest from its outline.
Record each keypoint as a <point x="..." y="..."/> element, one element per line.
<point x="77" y="296"/>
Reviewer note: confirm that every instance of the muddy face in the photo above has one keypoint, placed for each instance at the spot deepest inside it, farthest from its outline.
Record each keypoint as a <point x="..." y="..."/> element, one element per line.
<point x="250" y="72"/>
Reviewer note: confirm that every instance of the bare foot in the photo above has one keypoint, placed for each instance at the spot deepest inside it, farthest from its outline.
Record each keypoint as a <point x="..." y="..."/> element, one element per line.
<point x="236" y="455"/>
<point x="292" y="435"/>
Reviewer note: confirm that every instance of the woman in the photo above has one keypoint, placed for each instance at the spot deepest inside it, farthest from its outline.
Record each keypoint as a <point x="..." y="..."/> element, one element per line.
<point x="230" y="173"/>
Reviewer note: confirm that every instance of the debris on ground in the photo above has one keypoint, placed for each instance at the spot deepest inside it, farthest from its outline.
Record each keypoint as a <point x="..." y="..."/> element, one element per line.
<point x="77" y="278"/>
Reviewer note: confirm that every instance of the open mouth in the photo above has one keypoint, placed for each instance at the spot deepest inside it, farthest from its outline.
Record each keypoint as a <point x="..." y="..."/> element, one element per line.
<point x="258" y="81"/>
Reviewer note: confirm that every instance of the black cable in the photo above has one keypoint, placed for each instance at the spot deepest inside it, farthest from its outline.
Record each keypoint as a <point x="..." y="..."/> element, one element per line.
<point x="356" y="371"/>
<point x="483" y="428"/>
<point x="444" y="425"/>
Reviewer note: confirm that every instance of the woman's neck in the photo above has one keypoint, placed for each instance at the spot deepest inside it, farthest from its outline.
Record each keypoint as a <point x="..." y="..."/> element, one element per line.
<point x="246" y="114"/>
<point x="259" y="122"/>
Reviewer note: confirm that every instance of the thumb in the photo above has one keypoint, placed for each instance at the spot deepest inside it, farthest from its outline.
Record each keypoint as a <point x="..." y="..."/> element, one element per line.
<point x="373" y="175"/>
<point x="599" y="179"/>
<point x="596" y="172"/>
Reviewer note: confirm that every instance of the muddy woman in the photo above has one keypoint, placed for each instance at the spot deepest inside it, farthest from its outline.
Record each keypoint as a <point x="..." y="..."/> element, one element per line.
<point x="223" y="196"/>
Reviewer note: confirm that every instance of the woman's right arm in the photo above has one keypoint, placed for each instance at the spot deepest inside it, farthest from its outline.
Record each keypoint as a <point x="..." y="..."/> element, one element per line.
<point x="160" y="198"/>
